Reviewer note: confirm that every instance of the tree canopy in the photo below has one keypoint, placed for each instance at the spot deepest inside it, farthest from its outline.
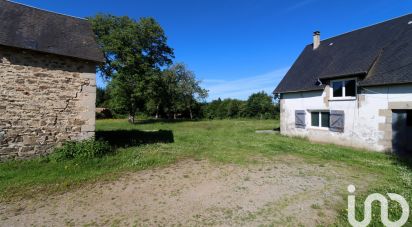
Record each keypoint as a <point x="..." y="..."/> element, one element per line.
<point x="143" y="79"/>
<point x="258" y="105"/>
<point x="134" y="51"/>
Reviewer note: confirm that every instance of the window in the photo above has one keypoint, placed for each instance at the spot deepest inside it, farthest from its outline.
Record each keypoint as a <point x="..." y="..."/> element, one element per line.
<point x="337" y="89"/>
<point x="320" y="119"/>
<point x="344" y="88"/>
<point x="350" y="88"/>
<point x="409" y="118"/>
<point x="324" y="116"/>
<point x="315" y="119"/>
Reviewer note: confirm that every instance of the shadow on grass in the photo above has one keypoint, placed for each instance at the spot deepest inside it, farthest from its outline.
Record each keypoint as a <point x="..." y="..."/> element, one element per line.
<point x="151" y="121"/>
<point x="401" y="159"/>
<point x="130" y="138"/>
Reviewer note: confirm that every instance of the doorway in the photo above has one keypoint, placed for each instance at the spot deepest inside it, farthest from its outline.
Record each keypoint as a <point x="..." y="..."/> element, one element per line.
<point x="402" y="132"/>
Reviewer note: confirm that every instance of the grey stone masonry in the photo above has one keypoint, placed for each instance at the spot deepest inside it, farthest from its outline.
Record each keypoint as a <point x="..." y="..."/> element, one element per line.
<point x="45" y="100"/>
<point x="386" y="127"/>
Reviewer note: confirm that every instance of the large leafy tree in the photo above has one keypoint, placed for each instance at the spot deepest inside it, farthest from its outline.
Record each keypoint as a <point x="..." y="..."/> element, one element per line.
<point x="134" y="51"/>
<point x="157" y="95"/>
<point x="183" y="89"/>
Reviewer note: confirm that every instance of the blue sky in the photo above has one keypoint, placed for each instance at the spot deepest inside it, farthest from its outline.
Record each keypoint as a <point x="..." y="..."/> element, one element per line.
<point x="237" y="47"/>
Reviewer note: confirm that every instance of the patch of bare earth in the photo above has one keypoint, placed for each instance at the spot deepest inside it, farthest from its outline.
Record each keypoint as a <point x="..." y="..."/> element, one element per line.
<point x="286" y="191"/>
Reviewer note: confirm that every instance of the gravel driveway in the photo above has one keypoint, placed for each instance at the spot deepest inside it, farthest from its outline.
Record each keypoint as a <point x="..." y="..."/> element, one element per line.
<point x="284" y="191"/>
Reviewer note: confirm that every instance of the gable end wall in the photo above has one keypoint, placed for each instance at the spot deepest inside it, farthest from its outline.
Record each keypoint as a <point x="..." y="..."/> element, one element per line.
<point x="44" y="101"/>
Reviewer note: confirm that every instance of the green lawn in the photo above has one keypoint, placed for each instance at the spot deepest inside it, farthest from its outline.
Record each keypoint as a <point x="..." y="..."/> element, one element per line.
<point x="228" y="141"/>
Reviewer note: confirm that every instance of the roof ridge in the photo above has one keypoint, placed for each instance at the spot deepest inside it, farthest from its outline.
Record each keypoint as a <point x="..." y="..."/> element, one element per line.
<point x="365" y="27"/>
<point x="45" y="10"/>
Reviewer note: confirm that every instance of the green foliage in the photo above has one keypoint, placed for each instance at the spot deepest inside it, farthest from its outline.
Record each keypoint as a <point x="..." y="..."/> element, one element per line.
<point x="133" y="50"/>
<point x="136" y="52"/>
<point x="183" y="90"/>
<point x="259" y="105"/>
<point x="104" y="114"/>
<point x="85" y="149"/>
<point x="102" y="97"/>
<point x="227" y="108"/>
<point x="130" y="46"/>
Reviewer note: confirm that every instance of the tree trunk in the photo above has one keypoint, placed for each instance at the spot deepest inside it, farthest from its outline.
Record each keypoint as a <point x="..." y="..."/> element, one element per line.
<point x="191" y="114"/>
<point x="131" y="118"/>
<point x="157" y="111"/>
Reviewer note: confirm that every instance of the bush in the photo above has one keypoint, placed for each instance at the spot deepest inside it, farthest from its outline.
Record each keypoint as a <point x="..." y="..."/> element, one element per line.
<point x="259" y="105"/>
<point x="85" y="149"/>
<point x="103" y="113"/>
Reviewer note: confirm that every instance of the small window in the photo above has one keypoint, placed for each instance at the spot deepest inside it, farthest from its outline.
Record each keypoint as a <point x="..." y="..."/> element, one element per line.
<point x="315" y="119"/>
<point x="409" y="118"/>
<point x="344" y="88"/>
<point x="320" y="119"/>
<point x="325" y="119"/>
<point x="350" y="88"/>
<point x="337" y="89"/>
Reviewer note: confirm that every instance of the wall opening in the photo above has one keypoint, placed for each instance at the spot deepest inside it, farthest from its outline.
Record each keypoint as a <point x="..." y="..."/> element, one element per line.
<point x="402" y="132"/>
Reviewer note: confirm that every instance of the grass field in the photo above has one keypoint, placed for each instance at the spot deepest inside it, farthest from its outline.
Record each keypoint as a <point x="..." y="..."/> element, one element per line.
<point x="219" y="141"/>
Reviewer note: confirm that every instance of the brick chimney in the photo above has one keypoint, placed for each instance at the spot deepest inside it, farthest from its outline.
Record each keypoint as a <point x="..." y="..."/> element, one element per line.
<point x="316" y="39"/>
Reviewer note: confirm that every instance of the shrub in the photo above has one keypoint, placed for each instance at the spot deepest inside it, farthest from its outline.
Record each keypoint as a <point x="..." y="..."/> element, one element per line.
<point x="103" y="113"/>
<point x="85" y="149"/>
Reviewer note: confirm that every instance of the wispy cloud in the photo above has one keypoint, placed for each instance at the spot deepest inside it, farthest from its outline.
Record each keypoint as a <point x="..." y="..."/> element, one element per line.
<point x="299" y="4"/>
<point x="242" y="88"/>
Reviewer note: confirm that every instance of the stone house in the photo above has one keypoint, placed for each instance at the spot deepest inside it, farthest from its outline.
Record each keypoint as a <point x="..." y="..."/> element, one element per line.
<point x="353" y="89"/>
<point x="47" y="80"/>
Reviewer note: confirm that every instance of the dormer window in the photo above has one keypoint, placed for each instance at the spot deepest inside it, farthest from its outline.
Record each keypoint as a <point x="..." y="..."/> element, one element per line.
<point x="343" y="89"/>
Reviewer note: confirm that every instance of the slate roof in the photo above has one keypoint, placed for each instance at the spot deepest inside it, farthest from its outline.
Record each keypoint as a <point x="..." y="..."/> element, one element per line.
<point x="34" y="29"/>
<point x="380" y="54"/>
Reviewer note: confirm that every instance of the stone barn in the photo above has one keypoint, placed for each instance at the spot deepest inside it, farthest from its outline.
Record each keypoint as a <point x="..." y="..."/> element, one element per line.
<point x="47" y="80"/>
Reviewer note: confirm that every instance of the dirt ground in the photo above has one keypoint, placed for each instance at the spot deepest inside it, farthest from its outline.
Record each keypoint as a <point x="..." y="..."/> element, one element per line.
<point x="287" y="191"/>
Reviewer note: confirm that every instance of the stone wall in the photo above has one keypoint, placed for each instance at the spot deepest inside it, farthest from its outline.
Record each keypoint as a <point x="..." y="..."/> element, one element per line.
<point x="44" y="101"/>
<point x="386" y="126"/>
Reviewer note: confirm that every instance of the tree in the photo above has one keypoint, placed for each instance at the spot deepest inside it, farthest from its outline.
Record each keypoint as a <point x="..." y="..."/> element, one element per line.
<point x="259" y="104"/>
<point x="157" y="96"/>
<point x="183" y="89"/>
<point x="102" y="97"/>
<point x="133" y="51"/>
<point x="234" y="108"/>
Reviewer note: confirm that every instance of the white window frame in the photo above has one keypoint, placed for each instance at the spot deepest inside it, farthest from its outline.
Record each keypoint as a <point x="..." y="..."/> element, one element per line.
<point x="344" y="97"/>
<point x="320" y="119"/>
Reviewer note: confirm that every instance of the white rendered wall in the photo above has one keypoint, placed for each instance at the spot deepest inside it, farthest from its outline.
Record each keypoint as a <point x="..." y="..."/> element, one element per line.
<point x="362" y="118"/>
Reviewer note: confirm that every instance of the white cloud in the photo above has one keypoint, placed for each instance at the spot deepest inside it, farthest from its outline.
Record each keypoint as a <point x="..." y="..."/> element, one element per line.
<point x="299" y="4"/>
<point x="242" y="88"/>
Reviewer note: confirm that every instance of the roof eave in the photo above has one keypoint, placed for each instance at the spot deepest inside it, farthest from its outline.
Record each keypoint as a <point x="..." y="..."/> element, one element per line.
<point x="95" y="60"/>
<point x="296" y="91"/>
<point x="340" y="76"/>
<point x="383" y="84"/>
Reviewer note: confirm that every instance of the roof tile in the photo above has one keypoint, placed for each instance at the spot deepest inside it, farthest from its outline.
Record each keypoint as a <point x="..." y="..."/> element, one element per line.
<point x="382" y="52"/>
<point x="34" y="29"/>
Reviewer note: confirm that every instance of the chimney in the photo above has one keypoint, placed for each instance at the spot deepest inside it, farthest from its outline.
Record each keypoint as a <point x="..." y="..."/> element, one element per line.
<point x="316" y="39"/>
